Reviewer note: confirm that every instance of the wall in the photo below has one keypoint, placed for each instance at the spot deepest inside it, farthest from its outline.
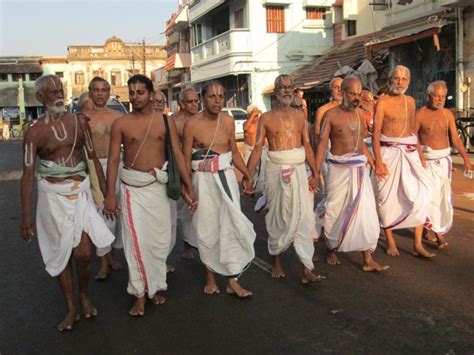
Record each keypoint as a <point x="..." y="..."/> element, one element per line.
<point x="469" y="54"/>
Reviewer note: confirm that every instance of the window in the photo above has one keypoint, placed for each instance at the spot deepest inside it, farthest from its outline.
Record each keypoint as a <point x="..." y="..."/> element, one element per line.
<point x="315" y="13"/>
<point x="239" y="18"/>
<point x="79" y="78"/>
<point x="351" y="26"/>
<point x="34" y="76"/>
<point x="115" y="78"/>
<point x="3" y="77"/>
<point x="18" y="76"/>
<point x="275" y="19"/>
<point x="59" y="74"/>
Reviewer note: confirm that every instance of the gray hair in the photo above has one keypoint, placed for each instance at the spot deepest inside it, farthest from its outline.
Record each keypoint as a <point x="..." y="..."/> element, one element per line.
<point x="42" y="81"/>
<point x="83" y="99"/>
<point x="333" y="80"/>
<point x="280" y="77"/>
<point x="183" y="92"/>
<point x="347" y="80"/>
<point x="398" y="67"/>
<point x="431" y="86"/>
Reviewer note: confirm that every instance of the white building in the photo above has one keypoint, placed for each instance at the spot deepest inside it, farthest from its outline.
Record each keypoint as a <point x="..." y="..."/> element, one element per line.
<point x="245" y="44"/>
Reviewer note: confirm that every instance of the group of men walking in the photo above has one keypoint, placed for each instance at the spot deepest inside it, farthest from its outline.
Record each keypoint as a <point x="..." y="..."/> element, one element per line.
<point x="96" y="166"/>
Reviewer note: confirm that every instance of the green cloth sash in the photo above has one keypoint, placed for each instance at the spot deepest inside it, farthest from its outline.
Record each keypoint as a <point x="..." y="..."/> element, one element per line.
<point x="49" y="168"/>
<point x="200" y="154"/>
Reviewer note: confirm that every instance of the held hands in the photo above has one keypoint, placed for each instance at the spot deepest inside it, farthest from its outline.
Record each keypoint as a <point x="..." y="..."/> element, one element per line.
<point x="190" y="199"/>
<point x="111" y="208"/>
<point x="248" y="185"/>
<point x="381" y="171"/>
<point x="313" y="183"/>
<point x="27" y="229"/>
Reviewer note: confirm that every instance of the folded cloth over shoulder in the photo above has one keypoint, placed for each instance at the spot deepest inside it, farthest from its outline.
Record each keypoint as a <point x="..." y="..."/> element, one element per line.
<point x="439" y="166"/>
<point x="404" y="197"/>
<point x="225" y="236"/>
<point x="290" y="218"/>
<point x="350" y="219"/>
<point x="66" y="210"/>
<point x="146" y="230"/>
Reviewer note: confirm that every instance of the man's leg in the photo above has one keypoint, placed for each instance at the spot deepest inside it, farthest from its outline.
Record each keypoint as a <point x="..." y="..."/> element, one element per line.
<point x="104" y="268"/>
<point x="83" y="254"/>
<point x="65" y="282"/>
<point x="442" y="243"/>
<point x="211" y="285"/>
<point x="113" y="262"/>
<point x="277" y="270"/>
<point x="392" y="249"/>
<point x="188" y="252"/>
<point x="332" y="258"/>
<point x="370" y="264"/>
<point x="138" y="308"/>
<point x="310" y="277"/>
<point x="418" y="248"/>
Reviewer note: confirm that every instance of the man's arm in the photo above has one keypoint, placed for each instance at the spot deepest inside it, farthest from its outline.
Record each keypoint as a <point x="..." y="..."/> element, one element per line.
<point x="256" y="154"/>
<point x="313" y="180"/>
<point x="183" y="170"/>
<point x="238" y="160"/>
<point x="323" y="142"/>
<point x="27" y="178"/>
<point x="188" y="140"/>
<point x="415" y="128"/>
<point x="110" y="204"/>
<point x="381" y="170"/>
<point x="456" y="140"/>
<point x="318" y="125"/>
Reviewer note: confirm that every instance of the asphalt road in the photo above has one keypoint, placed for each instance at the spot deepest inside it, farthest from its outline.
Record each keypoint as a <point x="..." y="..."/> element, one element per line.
<point x="418" y="306"/>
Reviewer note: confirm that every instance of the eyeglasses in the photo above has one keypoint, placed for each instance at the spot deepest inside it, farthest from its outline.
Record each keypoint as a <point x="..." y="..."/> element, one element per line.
<point x="194" y="101"/>
<point x="159" y="101"/>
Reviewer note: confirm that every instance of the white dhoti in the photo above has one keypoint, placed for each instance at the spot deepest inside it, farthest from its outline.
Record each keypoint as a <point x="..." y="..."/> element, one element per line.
<point x="146" y="230"/>
<point x="404" y="197"/>
<point x="64" y="211"/>
<point x="350" y="220"/>
<point x="225" y="236"/>
<point x="290" y="218"/>
<point x="185" y="220"/>
<point x="438" y="166"/>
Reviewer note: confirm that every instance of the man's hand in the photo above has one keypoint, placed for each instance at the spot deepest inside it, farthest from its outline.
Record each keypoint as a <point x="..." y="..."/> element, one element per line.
<point x="423" y="163"/>
<point x="191" y="200"/>
<point x="313" y="183"/>
<point x="27" y="229"/>
<point x="381" y="171"/>
<point x="111" y="208"/>
<point x="468" y="166"/>
<point x="248" y="183"/>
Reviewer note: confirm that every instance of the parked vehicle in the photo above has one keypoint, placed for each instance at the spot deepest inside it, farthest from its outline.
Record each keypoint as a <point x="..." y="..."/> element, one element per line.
<point x="240" y="115"/>
<point x="113" y="103"/>
<point x="465" y="128"/>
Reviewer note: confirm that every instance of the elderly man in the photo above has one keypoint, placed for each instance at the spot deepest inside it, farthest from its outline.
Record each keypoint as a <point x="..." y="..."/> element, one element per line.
<point x="350" y="219"/>
<point x="225" y="236"/>
<point x="435" y="126"/>
<point x="336" y="99"/>
<point x="101" y="120"/>
<point x="189" y="104"/>
<point x="290" y="219"/>
<point x="146" y="216"/>
<point x="403" y="185"/>
<point x="67" y="221"/>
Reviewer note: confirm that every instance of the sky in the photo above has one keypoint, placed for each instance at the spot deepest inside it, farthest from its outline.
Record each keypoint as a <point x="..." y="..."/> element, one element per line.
<point x="38" y="27"/>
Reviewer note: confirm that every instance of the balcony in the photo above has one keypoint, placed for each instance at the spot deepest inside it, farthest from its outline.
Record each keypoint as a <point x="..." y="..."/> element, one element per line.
<point x="235" y="41"/>
<point x="201" y="7"/>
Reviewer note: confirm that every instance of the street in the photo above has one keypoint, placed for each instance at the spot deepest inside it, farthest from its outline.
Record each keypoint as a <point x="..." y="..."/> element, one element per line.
<point x="417" y="306"/>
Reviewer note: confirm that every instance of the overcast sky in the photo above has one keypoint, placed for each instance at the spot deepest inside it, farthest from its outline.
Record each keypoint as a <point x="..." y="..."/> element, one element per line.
<point x="38" y="27"/>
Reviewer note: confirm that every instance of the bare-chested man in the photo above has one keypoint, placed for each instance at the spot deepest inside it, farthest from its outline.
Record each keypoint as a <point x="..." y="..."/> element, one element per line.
<point x="290" y="218"/>
<point x="64" y="196"/>
<point x="350" y="219"/>
<point x="435" y="126"/>
<point x="146" y="216"/>
<point x="299" y="102"/>
<point x="336" y="100"/>
<point x="189" y="103"/>
<point x="225" y="236"/>
<point x="85" y="103"/>
<point x="101" y="120"/>
<point x="403" y="185"/>
<point x="367" y="107"/>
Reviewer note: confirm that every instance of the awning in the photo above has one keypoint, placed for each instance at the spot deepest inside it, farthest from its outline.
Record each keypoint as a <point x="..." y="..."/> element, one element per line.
<point x="20" y="68"/>
<point x="169" y="64"/>
<point x="376" y="45"/>
<point x="351" y="53"/>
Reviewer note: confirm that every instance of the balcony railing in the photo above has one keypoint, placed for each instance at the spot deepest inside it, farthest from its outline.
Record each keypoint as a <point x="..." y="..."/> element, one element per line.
<point x="232" y="41"/>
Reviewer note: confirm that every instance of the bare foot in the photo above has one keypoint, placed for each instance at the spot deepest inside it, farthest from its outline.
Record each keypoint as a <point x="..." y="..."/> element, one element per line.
<point x="442" y="243"/>
<point x="68" y="322"/>
<point x="309" y="277"/>
<point x="422" y="252"/>
<point x="138" y="308"/>
<point x="392" y="250"/>
<point x="277" y="270"/>
<point x="315" y="257"/>
<point x="88" y="309"/>
<point x="115" y="265"/>
<point x="233" y="288"/>
<point x="211" y="289"/>
<point x="158" y="299"/>
<point x="332" y="259"/>
<point x="188" y="252"/>
<point x="374" y="266"/>
<point x="102" y="273"/>
<point x="170" y="268"/>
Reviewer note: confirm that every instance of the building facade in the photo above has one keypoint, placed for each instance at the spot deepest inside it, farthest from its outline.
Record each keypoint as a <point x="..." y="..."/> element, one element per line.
<point x="114" y="61"/>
